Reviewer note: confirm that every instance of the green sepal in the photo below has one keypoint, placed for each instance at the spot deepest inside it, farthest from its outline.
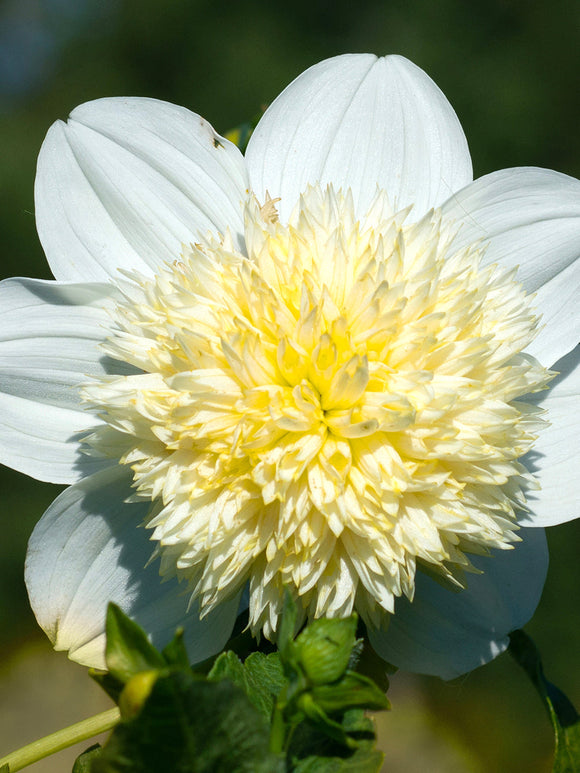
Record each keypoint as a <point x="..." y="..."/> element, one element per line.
<point x="136" y="692"/>
<point x="311" y="738"/>
<point x="352" y="691"/>
<point x="110" y="684"/>
<point x="128" y="650"/>
<point x="316" y="715"/>
<point x="175" y="653"/>
<point x="564" y="717"/>
<point x="83" y="763"/>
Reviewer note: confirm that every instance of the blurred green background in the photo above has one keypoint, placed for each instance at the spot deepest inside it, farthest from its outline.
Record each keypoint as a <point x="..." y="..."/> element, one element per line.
<point x="511" y="69"/>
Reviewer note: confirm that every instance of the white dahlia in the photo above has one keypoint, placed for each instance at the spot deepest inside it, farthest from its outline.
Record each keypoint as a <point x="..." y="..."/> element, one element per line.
<point x="322" y="366"/>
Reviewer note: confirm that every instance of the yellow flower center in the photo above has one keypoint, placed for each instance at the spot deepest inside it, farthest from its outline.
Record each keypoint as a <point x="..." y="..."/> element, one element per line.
<point x="330" y="411"/>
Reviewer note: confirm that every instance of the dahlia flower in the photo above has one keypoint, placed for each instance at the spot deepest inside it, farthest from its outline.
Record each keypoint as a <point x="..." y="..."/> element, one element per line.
<point x="337" y="365"/>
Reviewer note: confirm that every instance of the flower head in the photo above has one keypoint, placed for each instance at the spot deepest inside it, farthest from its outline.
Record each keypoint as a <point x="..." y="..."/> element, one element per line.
<point x="317" y="368"/>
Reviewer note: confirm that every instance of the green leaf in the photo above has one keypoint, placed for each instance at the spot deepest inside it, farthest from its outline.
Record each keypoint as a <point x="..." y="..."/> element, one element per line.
<point x="260" y="676"/>
<point x="567" y="759"/>
<point x="324" y="648"/>
<point x="128" y="650"/>
<point x="228" y="666"/>
<point x="84" y="761"/>
<point x="190" y="725"/>
<point x="564" y="717"/>
<point x="362" y="761"/>
<point x="265" y="680"/>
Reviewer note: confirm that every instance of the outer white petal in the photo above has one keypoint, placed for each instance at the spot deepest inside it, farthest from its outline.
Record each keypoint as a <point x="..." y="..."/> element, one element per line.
<point x="555" y="460"/>
<point x="446" y="633"/>
<point x="530" y="219"/>
<point x="127" y="181"/>
<point x="358" y="121"/>
<point x="89" y="548"/>
<point x="49" y="343"/>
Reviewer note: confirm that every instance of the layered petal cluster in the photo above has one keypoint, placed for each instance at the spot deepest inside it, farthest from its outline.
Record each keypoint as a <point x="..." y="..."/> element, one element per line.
<point x="319" y="366"/>
<point x="324" y="412"/>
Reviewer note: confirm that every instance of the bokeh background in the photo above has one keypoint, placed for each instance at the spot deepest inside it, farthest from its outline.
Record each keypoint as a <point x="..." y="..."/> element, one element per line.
<point x="511" y="69"/>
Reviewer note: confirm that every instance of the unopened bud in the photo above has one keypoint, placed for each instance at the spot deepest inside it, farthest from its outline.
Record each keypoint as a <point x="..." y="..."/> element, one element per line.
<point x="136" y="692"/>
<point x="324" y="648"/>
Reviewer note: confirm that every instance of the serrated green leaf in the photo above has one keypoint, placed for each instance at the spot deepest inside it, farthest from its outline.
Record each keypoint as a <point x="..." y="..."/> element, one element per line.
<point x="228" y="666"/>
<point x="564" y="717"/>
<point x="352" y="691"/>
<point x="190" y="725"/>
<point x="362" y="761"/>
<point x="265" y="680"/>
<point x="128" y="650"/>
<point x="260" y="676"/>
<point x="84" y="761"/>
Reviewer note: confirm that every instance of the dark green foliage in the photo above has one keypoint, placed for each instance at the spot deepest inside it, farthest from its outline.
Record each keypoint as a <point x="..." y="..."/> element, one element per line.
<point x="564" y="717"/>
<point x="299" y="709"/>
<point x="190" y="725"/>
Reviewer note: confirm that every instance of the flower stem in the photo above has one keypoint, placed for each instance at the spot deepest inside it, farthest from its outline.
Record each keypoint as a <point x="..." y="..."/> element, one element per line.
<point x="62" y="739"/>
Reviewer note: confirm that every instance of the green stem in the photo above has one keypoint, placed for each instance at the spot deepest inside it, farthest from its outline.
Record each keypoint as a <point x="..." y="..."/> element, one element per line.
<point x="62" y="739"/>
<point x="277" y="730"/>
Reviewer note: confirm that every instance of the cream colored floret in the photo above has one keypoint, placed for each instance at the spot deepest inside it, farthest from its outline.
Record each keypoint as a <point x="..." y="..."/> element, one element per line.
<point x="331" y="411"/>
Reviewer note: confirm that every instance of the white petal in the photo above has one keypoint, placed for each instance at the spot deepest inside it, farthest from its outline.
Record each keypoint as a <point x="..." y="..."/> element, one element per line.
<point x="530" y="219"/>
<point x="90" y="548"/>
<point x="359" y="121"/>
<point x="555" y="459"/>
<point x="446" y="633"/>
<point x="49" y="343"/>
<point x="127" y="181"/>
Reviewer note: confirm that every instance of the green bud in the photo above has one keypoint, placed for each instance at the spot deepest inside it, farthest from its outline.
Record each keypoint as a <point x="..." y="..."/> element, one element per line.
<point x="323" y="648"/>
<point x="136" y="692"/>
